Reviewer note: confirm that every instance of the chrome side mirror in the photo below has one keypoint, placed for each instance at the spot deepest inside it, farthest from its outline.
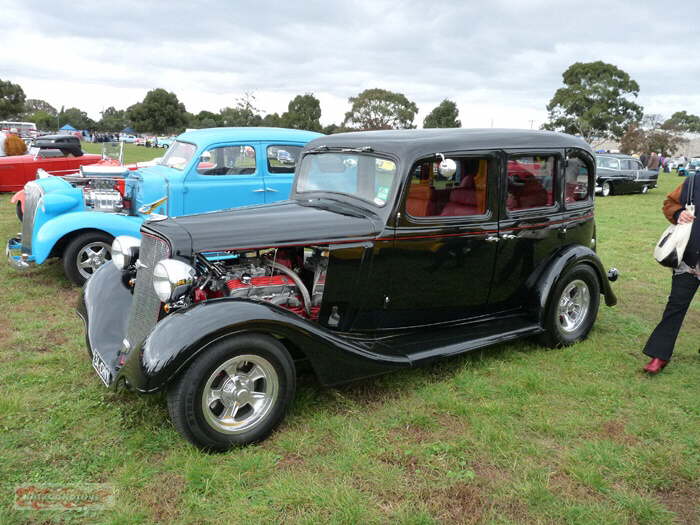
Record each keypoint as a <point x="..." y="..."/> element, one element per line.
<point x="447" y="168"/>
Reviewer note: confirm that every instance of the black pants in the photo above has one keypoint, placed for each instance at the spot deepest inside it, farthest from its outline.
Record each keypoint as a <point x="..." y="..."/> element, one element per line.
<point x="663" y="338"/>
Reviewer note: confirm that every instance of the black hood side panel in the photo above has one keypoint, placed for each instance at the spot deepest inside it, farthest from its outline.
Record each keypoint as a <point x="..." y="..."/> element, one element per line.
<point x="283" y="223"/>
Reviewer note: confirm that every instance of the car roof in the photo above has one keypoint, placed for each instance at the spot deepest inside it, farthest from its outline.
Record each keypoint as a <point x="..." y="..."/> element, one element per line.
<point x="418" y="142"/>
<point x="205" y="136"/>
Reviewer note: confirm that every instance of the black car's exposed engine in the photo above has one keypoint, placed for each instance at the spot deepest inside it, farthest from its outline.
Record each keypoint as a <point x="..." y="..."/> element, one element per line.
<point x="292" y="278"/>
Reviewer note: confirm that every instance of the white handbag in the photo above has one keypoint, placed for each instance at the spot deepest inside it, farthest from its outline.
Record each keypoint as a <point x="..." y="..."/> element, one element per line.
<point x="671" y="246"/>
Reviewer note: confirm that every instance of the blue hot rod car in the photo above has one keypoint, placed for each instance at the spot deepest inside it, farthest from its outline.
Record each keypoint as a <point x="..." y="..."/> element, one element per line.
<point x="77" y="217"/>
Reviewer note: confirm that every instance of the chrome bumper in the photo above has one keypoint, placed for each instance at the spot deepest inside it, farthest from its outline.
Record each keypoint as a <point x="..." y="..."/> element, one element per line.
<point x="15" y="257"/>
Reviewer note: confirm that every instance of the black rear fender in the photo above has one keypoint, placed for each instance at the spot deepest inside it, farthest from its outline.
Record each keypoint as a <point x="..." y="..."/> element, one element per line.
<point x="544" y="282"/>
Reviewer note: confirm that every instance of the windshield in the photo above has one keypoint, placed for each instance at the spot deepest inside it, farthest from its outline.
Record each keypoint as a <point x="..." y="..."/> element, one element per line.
<point x="178" y="155"/>
<point x="363" y="176"/>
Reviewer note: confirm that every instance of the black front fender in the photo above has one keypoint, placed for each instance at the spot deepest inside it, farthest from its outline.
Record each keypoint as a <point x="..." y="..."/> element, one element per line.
<point x="182" y="336"/>
<point x="562" y="262"/>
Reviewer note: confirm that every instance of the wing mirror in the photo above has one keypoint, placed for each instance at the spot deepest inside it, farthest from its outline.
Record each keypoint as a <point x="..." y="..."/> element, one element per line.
<point x="447" y="168"/>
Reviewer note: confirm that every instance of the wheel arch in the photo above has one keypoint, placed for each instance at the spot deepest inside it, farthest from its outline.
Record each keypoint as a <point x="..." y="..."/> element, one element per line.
<point x="60" y="246"/>
<point x="541" y="289"/>
<point x="51" y="231"/>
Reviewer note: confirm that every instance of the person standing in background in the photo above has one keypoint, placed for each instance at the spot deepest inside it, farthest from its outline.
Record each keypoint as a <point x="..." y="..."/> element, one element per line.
<point x="644" y="158"/>
<point x="653" y="162"/>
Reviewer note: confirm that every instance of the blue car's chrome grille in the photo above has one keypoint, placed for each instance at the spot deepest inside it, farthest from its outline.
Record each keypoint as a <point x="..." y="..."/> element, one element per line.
<point x="32" y="195"/>
<point x="145" y="306"/>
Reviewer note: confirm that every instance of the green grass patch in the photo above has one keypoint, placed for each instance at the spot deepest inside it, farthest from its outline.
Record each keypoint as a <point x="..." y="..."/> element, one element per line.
<point x="512" y="434"/>
<point x="132" y="152"/>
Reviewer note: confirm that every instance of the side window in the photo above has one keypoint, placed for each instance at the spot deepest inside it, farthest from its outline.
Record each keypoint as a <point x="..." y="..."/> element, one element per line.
<point x="577" y="180"/>
<point x="282" y="159"/>
<point x="227" y="160"/>
<point x="627" y="164"/>
<point x="530" y="182"/>
<point x="638" y="165"/>
<point x="432" y="195"/>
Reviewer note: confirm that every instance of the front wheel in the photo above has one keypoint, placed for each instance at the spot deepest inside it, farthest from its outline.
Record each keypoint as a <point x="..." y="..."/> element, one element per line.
<point x="645" y="189"/>
<point x="572" y="307"/>
<point x="235" y="393"/>
<point x="606" y="189"/>
<point x="85" y="254"/>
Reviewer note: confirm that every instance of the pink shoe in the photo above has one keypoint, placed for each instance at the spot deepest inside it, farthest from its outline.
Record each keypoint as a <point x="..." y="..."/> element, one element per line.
<point x="655" y="366"/>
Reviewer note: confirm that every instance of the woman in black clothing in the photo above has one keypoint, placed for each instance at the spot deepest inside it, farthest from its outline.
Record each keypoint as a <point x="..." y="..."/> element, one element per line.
<point x="685" y="282"/>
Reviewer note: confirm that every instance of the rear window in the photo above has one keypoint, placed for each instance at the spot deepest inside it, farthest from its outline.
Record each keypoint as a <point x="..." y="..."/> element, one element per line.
<point x="530" y="182"/>
<point x="282" y="159"/>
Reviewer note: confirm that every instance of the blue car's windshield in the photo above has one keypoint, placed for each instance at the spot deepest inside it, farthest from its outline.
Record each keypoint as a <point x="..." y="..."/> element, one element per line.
<point x="178" y="155"/>
<point x="363" y="176"/>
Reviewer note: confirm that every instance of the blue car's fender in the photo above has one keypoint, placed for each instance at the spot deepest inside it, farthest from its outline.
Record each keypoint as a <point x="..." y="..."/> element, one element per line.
<point x="56" y="228"/>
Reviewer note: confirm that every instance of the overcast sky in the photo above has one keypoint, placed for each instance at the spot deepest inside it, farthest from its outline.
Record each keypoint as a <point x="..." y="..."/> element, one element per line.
<point x="501" y="61"/>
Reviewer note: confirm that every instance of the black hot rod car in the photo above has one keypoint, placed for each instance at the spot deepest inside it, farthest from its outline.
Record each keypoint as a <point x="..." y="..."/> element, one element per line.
<point x="395" y="249"/>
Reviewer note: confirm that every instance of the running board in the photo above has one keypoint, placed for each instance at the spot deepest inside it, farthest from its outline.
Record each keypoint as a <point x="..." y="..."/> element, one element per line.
<point x="458" y="340"/>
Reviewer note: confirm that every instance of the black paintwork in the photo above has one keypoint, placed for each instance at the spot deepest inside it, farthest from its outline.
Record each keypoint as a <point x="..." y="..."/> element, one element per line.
<point x="407" y="291"/>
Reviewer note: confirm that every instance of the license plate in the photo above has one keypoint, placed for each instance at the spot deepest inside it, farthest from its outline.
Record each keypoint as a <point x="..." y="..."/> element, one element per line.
<point x="101" y="368"/>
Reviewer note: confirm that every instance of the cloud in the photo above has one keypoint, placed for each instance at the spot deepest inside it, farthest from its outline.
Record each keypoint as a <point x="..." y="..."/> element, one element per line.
<point x="501" y="61"/>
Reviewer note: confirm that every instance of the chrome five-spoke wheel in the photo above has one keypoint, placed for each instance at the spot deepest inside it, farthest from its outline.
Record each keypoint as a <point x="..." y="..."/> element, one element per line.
<point x="574" y="305"/>
<point x="234" y="393"/>
<point x="240" y="393"/>
<point x="91" y="257"/>
<point x="85" y="253"/>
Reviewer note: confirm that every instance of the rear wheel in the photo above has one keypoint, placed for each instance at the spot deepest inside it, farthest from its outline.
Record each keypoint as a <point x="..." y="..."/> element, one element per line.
<point x="606" y="189"/>
<point x="236" y="393"/>
<point x="572" y="307"/>
<point x="19" y="211"/>
<point x="85" y="254"/>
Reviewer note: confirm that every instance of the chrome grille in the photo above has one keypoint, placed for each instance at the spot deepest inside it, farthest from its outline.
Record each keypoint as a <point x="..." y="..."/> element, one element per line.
<point x="32" y="195"/>
<point x="145" y="306"/>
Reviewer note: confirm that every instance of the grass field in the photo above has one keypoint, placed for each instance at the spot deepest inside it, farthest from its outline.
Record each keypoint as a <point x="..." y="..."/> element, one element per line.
<point x="513" y="434"/>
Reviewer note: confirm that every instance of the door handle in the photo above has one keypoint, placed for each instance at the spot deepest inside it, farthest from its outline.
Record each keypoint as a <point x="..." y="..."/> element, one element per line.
<point x="492" y="238"/>
<point x="259" y="190"/>
<point x="271" y="189"/>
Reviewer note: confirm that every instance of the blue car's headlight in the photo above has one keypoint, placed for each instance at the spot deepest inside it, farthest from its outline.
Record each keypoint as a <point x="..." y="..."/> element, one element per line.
<point x="55" y="203"/>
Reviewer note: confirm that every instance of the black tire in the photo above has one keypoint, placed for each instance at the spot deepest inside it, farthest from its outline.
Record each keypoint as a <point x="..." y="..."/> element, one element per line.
<point x="77" y="246"/>
<point x="186" y="395"/>
<point x="19" y="211"/>
<point x="607" y="189"/>
<point x="645" y="189"/>
<point x="556" y="332"/>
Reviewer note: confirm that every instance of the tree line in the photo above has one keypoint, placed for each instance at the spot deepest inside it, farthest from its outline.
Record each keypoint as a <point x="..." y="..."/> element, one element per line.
<point x="160" y="112"/>
<point x="596" y="102"/>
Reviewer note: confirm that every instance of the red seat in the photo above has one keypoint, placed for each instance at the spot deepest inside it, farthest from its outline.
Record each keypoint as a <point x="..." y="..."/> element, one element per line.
<point x="463" y="200"/>
<point x="421" y="201"/>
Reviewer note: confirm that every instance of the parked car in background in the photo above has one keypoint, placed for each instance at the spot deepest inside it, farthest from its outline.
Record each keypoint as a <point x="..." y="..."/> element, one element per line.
<point x="690" y="168"/>
<point x="56" y="154"/>
<point x="129" y="139"/>
<point x="165" y="142"/>
<point x="76" y="218"/>
<point x="390" y="253"/>
<point x="676" y="162"/>
<point x="618" y="174"/>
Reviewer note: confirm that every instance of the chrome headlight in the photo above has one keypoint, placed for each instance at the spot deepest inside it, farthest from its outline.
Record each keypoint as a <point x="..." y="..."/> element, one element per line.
<point x="172" y="279"/>
<point x="125" y="251"/>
